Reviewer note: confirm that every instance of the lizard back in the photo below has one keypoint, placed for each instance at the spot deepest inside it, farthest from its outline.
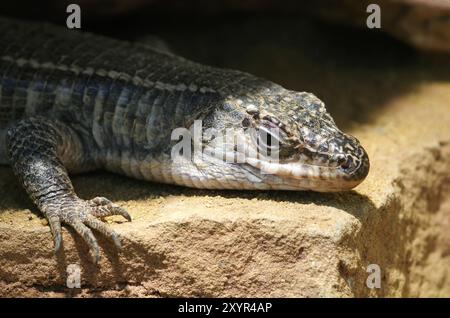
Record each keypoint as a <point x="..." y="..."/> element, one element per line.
<point x="122" y="94"/>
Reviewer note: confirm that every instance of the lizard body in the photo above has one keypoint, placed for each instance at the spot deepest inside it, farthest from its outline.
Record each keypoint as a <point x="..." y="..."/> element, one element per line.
<point x="73" y="102"/>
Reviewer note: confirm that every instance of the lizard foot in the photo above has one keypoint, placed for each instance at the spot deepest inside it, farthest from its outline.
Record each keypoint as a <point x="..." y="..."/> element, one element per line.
<point x="83" y="216"/>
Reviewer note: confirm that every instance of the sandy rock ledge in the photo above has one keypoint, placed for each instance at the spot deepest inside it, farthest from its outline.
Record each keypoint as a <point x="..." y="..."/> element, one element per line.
<point x="186" y="242"/>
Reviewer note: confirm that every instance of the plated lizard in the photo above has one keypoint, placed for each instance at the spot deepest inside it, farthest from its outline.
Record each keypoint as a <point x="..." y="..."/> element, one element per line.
<point x="74" y="102"/>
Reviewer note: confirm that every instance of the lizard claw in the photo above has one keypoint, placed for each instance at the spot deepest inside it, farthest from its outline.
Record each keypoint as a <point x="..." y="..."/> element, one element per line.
<point x="82" y="217"/>
<point x="58" y="240"/>
<point x="55" y="227"/>
<point x="104" y="207"/>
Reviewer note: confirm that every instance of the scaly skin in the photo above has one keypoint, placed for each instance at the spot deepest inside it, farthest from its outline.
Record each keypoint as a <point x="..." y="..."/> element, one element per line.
<point x="74" y="102"/>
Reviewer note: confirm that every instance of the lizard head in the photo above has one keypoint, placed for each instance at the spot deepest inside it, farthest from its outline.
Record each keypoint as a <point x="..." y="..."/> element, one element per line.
<point x="282" y="141"/>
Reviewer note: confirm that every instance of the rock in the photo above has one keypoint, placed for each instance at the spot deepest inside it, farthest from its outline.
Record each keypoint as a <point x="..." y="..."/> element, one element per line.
<point x="424" y="24"/>
<point x="286" y="244"/>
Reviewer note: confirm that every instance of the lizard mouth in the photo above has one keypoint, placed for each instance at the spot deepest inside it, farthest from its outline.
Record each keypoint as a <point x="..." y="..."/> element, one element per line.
<point x="297" y="175"/>
<point x="261" y="173"/>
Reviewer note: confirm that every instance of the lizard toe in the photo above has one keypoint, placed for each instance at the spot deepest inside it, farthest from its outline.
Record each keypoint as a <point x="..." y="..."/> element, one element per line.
<point x="103" y="207"/>
<point x="101" y="227"/>
<point x="55" y="227"/>
<point x="87" y="235"/>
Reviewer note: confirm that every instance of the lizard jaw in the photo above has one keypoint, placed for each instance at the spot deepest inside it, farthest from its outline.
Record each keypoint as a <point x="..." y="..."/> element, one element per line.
<point x="255" y="174"/>
<point x="313" y="177"/>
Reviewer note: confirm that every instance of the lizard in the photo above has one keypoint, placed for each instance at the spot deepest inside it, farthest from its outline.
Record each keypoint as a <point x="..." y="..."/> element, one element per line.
<point x="73" y="101"/>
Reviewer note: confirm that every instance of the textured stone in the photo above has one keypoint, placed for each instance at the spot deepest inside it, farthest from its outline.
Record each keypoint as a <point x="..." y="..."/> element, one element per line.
<point x="424" y="24"/>
<point x="186" y="242"/>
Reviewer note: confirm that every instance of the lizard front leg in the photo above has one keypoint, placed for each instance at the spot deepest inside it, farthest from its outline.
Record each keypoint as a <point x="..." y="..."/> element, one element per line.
<point x="41" y="152"/>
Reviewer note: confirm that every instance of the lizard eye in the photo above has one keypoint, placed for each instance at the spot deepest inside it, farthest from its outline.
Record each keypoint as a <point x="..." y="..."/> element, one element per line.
<point x="268" y="138"/>
<point x="271" y="139"/>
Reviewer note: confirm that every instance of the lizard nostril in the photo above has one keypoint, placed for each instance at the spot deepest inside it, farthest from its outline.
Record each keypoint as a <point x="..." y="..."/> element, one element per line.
<point x="347" y="164"/>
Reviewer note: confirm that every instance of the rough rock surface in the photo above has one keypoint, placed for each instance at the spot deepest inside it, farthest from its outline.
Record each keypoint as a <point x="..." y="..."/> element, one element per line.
<point x="185" y="242"/>
<point x="424" y="24"/>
